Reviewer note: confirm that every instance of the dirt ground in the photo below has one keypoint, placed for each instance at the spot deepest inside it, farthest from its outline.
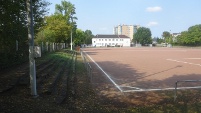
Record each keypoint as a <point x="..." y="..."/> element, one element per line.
<point x="149" y="68"/>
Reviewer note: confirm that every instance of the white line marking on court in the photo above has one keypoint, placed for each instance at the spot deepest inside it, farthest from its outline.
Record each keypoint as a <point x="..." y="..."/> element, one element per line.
<point x="104" y="73"/>
<point x="157" y="50"/>
<point x="162" y="89"/>
<point x="131" y="87"/>
<point x="193" y="58"/>
<point x="184" y="62"/>
<point x="137" y="50"/>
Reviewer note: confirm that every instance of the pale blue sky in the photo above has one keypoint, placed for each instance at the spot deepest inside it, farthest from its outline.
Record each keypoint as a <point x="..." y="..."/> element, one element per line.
<point x="100" y="16"/>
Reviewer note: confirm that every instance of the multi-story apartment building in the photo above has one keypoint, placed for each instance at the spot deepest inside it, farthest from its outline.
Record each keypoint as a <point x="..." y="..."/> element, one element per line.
<point x="127" y="30"/>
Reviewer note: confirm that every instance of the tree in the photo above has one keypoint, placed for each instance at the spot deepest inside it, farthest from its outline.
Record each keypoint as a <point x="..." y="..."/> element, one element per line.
<point x="192" y="37"/>
<point x="159" y="40"/>
<point x="13" y="28"/>
<point x="143" y="36"/>
<point x="59" y="26"/>
<point x="79" y="37"/>
<point x="68" y="11"/>
<point x="56" y="24"/>
<point x="88" y="37"/>
<point x="167" y="36"/>
<point x="134" y="39"/>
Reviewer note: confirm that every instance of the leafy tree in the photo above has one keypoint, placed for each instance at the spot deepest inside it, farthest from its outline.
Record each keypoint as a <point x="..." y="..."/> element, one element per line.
<point x="13" y="28"/>
<point x="58" y="27"/>
<point x="56" y="24"/>
<point x="192" y="37"/>
<point x="67" y="9"/>
<point x="79" y="38"/>
<point x="181" y="39"/>
<point x="88" y="37"/>
<point x="134" y="39"/>
<point x="159" y="40"/>
<point x="143" y="36"/>
<point x="166" y="36"/>
<point x="39" y="12"/>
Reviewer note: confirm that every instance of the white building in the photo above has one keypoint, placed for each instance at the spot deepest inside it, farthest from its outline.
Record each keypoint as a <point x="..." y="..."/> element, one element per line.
<point x="111" y="40"/>
<point x="174" y="36"/>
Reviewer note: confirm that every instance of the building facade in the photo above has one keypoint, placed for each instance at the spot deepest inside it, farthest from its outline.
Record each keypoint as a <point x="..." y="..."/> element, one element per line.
<point x="128" y="30"/>
<point x="111" y="40"/>
<point x="174" y="36"/>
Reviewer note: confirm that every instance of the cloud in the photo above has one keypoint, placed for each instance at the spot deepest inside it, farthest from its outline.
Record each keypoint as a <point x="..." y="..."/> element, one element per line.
<point x="153" y="9"/>
<point x="152" y="24"/>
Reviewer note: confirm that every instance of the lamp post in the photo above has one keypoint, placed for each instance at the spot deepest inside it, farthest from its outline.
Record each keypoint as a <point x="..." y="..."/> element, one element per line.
<point x="72" y="33"/>
<point x="71" y="40"/>
<point x="170" y="39"/>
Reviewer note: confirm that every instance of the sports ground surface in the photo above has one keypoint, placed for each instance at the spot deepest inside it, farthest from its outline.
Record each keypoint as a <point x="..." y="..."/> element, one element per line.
<point x="146" y="68"/>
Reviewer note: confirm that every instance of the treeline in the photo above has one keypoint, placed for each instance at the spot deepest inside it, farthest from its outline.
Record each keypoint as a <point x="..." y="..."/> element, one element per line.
<point x="191" y="37"/>
<point x="13" y="29"/>
<point x="61" y="26"/>
<point x="56" y="28"/>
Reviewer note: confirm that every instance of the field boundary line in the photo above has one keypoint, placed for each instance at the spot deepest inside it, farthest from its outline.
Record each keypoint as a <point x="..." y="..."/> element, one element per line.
<point x="183" y="62"/>
<point x="159" y="89"/>
<point x="193" y="58"/>
<point x="115" y="84"/>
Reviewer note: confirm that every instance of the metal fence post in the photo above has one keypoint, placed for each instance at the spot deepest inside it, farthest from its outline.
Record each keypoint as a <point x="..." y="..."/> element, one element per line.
<point x="175" y="92"/>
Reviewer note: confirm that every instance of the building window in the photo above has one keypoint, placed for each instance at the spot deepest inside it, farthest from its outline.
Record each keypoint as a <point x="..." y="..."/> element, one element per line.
<point x="116" y="39"/>
<point x="109" y="39"/>
<point x="112" y="39"/>
<point x="105" y="39"/>
<point x="99" y="39"/>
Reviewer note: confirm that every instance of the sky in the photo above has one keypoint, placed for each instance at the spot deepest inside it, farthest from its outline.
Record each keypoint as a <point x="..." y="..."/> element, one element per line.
<point x="101" y="16"/>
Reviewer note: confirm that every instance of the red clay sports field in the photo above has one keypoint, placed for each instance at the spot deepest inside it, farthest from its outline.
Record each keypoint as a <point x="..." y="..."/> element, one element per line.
<point x="147" y="69"/>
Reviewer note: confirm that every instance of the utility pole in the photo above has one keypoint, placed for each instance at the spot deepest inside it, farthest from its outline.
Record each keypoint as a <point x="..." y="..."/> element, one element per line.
<point x="71" y="40"/>
<point x="32" y="68"/>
